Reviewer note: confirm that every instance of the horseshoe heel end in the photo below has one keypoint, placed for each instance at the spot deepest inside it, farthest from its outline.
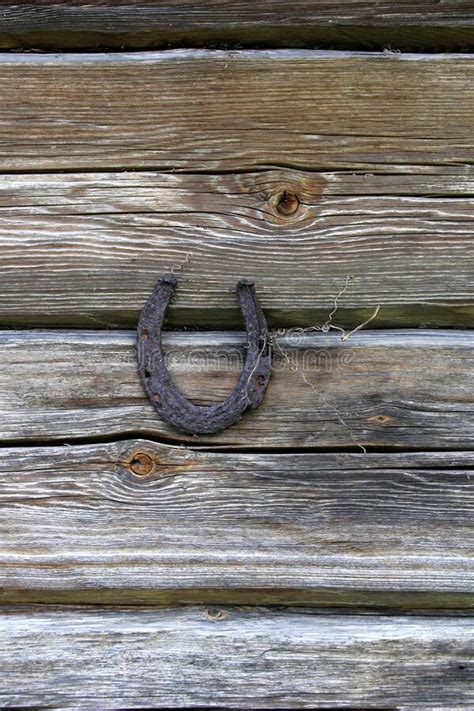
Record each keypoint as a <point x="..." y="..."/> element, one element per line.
<point x="258" y="364"/>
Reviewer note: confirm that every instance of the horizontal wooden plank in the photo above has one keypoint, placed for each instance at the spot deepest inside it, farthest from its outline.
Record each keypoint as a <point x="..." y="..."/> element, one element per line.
<point x="134" y="521"/>
<point x="231" y="657"/>
<point x="86" y="249"/>
<point x="397" y="389"/>
<point x="220" y="110"/>
<point x="342" y="24"/>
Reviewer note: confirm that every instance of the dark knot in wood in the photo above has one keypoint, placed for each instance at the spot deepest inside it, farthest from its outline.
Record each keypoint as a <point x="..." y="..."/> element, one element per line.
<point x="141" y="464"/>
<point x="287" y="203"/>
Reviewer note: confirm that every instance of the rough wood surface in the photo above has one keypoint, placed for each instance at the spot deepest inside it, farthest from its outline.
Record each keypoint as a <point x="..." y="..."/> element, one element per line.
<point x="377" y="169"/>
<point x="86" y="249"/>
<point x="218" y="110"/>
<point x="342" y="24"/>
<point x="398" y="389"/>
<point x="231" y="657"/>
<point x="133" y="521"/>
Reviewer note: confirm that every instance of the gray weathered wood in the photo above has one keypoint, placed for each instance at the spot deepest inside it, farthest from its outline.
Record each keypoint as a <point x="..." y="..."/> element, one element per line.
<point x="220" y="110"/>
<point x="86" y="249"/>
<point x="342" y="24"/>
<point x="138" y="522"/>
<point x="231" y="657"/>
<point x="398" y="389"/>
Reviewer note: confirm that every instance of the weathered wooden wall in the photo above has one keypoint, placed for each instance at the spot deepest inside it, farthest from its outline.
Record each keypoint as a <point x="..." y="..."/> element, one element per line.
<point x="342" y="183"/>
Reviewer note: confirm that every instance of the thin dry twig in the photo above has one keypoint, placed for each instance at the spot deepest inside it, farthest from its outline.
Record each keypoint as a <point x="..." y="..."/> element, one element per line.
<point x="266" y="341"/>
<point x="336" y="412"/>
<point x="325" y="328"/>
<point x="177" y="267"/>
<point x="361" y="325"/>
<point x="328" y="324"/>
<point x="295" y="367"/>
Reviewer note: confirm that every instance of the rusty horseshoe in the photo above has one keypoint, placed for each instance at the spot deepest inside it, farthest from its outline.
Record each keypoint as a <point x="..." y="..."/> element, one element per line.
<point x="168" y="401"/>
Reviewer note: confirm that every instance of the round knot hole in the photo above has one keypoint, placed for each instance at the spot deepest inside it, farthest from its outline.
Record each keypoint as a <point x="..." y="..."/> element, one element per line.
<point x="287" y="203"/>
<point x="141" y="464"/>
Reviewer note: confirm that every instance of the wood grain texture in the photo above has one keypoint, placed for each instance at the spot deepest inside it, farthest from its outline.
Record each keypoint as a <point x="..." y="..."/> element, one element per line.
<point x="218" y="110"/>
<point x="231" y="657"/>
<point x="87" y="249"/>
<point x="397" y="389"/>
<point x="79" y="525"/>
<point x="342" y="24"/>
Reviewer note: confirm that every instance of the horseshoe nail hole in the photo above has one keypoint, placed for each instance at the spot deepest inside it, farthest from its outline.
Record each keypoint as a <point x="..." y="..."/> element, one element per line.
<point x="147" y="373"/>
<point x="260" y="380"/>
<point x="144" y="335"/>
<point x="156" y="397"/>
<point x="141" y="464"/>
<point x="287" y="203"/>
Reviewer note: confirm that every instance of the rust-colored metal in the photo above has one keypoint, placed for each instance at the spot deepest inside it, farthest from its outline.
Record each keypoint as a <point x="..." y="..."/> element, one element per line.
<point x="169" y="402"/>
